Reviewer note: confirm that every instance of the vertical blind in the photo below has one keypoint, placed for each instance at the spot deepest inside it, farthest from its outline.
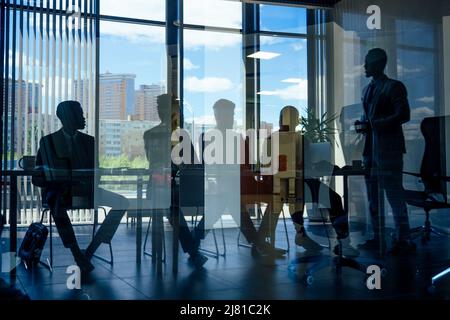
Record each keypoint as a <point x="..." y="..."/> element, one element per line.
<point x="49" y="54"/>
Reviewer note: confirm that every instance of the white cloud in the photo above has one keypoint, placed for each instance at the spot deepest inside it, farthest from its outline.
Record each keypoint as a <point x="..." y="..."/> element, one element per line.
<point x="133" y="32"/>
<point x="270" y="40"/>
<point x="217" y="13"/>
<point x="354" y="72"/>
<point x="202" y="120"/>
<point x="298" y="46"/>
<point x="298" y="91"/>
<point x="426" y="99"/>
<point x="404" y="70"/>
<point x="292" y="80"/>
<point x="144" y="9"/>
<point x="222" y="13"/>
<point x="208" y="84"/>
<point x="188" y="65"/>
<point x="422" y="112"/>
<point x="195" y="39"/>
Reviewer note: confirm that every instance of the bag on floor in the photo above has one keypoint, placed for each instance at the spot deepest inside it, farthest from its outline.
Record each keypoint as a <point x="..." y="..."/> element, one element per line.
<point x="32" y="245"/>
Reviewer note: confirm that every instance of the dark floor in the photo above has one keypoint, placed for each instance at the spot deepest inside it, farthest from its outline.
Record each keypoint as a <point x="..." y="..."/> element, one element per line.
<point x="238" y="275"/>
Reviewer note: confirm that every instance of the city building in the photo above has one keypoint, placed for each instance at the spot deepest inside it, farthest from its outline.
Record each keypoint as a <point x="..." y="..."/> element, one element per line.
<point x="146" y="104"/>
<point x="117" y="96"/>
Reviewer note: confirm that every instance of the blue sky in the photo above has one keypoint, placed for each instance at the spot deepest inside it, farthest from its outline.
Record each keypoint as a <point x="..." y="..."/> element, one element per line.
<point x="213" y="61"/>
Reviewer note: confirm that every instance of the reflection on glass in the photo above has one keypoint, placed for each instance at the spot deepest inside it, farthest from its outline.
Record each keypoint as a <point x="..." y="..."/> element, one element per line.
<point x="283" y="78"/>
<point x="207" y="78"/>
<point x="140" y="9"/>
<point x="132" y="75"/>
<point x="214" y="13"/>
<point x="283" y="19"/>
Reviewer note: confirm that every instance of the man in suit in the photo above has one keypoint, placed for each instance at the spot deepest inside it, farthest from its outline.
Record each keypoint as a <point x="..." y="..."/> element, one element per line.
<point x="66" y="159"/>
<point x="386" y="109"/>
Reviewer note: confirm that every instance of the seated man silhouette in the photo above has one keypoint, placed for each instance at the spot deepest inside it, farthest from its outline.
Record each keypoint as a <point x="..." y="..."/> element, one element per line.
<point x="222" y="151"/>
<point x="66" y="159"/>
<point x="158" y="149"/>
<point x="289" y="120"/>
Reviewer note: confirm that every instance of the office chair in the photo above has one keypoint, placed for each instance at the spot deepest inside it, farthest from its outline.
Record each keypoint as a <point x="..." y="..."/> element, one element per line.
<point x="339" y="261"/>
<point x="271" y="237"/>
<point x="433" y="176"/>
<point x="79" y="200"/>
<point x="255" y="188"/>
<point x="191" y="196"/>
<point x="46" y="210"/>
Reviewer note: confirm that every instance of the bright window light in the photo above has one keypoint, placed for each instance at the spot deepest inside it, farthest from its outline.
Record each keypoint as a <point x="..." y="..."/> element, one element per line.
<point x="267" y="93"/>
<point x="292" y="80"/>
<point x="264" y="55"/>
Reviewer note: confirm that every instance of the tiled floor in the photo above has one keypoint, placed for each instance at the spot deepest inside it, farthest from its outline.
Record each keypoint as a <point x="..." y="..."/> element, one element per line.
<point x="238" y="275"/>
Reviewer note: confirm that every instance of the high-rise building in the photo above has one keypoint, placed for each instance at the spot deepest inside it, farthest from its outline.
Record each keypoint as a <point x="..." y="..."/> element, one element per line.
<point x="146" y="102"/>
<point x="26" y="112"/>
<point x="117" y="96"/>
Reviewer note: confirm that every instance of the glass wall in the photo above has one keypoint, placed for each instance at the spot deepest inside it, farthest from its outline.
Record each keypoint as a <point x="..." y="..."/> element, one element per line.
<point x="173" y="94"/>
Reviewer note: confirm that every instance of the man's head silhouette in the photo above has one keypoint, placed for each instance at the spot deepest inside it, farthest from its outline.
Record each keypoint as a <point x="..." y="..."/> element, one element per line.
<point x="164" y="106"/>
<point x="71" y="116"/>
<point x="375" y="63"/>
<point x="224" y="114"/>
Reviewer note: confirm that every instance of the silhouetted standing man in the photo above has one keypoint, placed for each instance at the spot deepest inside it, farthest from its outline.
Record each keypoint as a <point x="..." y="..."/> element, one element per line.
<point x="386" y="109"/>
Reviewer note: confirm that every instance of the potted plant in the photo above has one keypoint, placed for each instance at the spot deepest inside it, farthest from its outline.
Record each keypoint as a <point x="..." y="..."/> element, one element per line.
<point x="318" y="135"/>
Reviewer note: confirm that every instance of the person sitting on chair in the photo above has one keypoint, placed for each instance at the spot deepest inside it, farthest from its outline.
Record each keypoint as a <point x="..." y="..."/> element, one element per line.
<point x="61" y="156"/>
<point x="158" y="149"/>
<point x="289" y="120"/>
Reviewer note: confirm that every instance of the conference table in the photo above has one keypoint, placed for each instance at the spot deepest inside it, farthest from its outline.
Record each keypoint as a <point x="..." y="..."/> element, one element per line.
<point x="75" y="175"/>
<point x="345" y="172"/>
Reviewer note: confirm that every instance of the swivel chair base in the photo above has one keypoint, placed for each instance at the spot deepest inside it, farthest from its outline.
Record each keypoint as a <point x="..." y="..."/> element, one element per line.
<point x="427" y="230"/>
<point x="338" y="262"/>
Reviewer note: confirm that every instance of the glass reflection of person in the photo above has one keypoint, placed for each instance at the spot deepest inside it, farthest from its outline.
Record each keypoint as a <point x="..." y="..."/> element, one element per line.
<point x="158" y="149"/>
<point x="386" y="109"/>
<point x="72" y="151"/>
<point x="226" y="176"/>
<point x="289" y="120"/>
<point x="221" y="159"/>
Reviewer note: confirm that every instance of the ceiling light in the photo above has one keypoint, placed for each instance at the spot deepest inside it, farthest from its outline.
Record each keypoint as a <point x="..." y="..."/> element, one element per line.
<point x="267" y="93"/>
<point x="292" y="80"/>
<point x="264" y="55"/>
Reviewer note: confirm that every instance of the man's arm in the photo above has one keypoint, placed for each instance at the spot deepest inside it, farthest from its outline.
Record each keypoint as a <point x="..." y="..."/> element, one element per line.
<point x="39" y="179"/>
<point x="399" y="100"/>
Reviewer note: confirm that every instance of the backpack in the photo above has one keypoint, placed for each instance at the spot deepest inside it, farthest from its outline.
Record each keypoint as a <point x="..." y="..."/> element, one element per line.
<point x="33" y="244"/>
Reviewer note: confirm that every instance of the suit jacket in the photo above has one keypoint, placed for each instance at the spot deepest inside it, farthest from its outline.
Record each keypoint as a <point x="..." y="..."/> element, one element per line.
<point x="388" y="110"/>
<point x="54" y="153"/>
